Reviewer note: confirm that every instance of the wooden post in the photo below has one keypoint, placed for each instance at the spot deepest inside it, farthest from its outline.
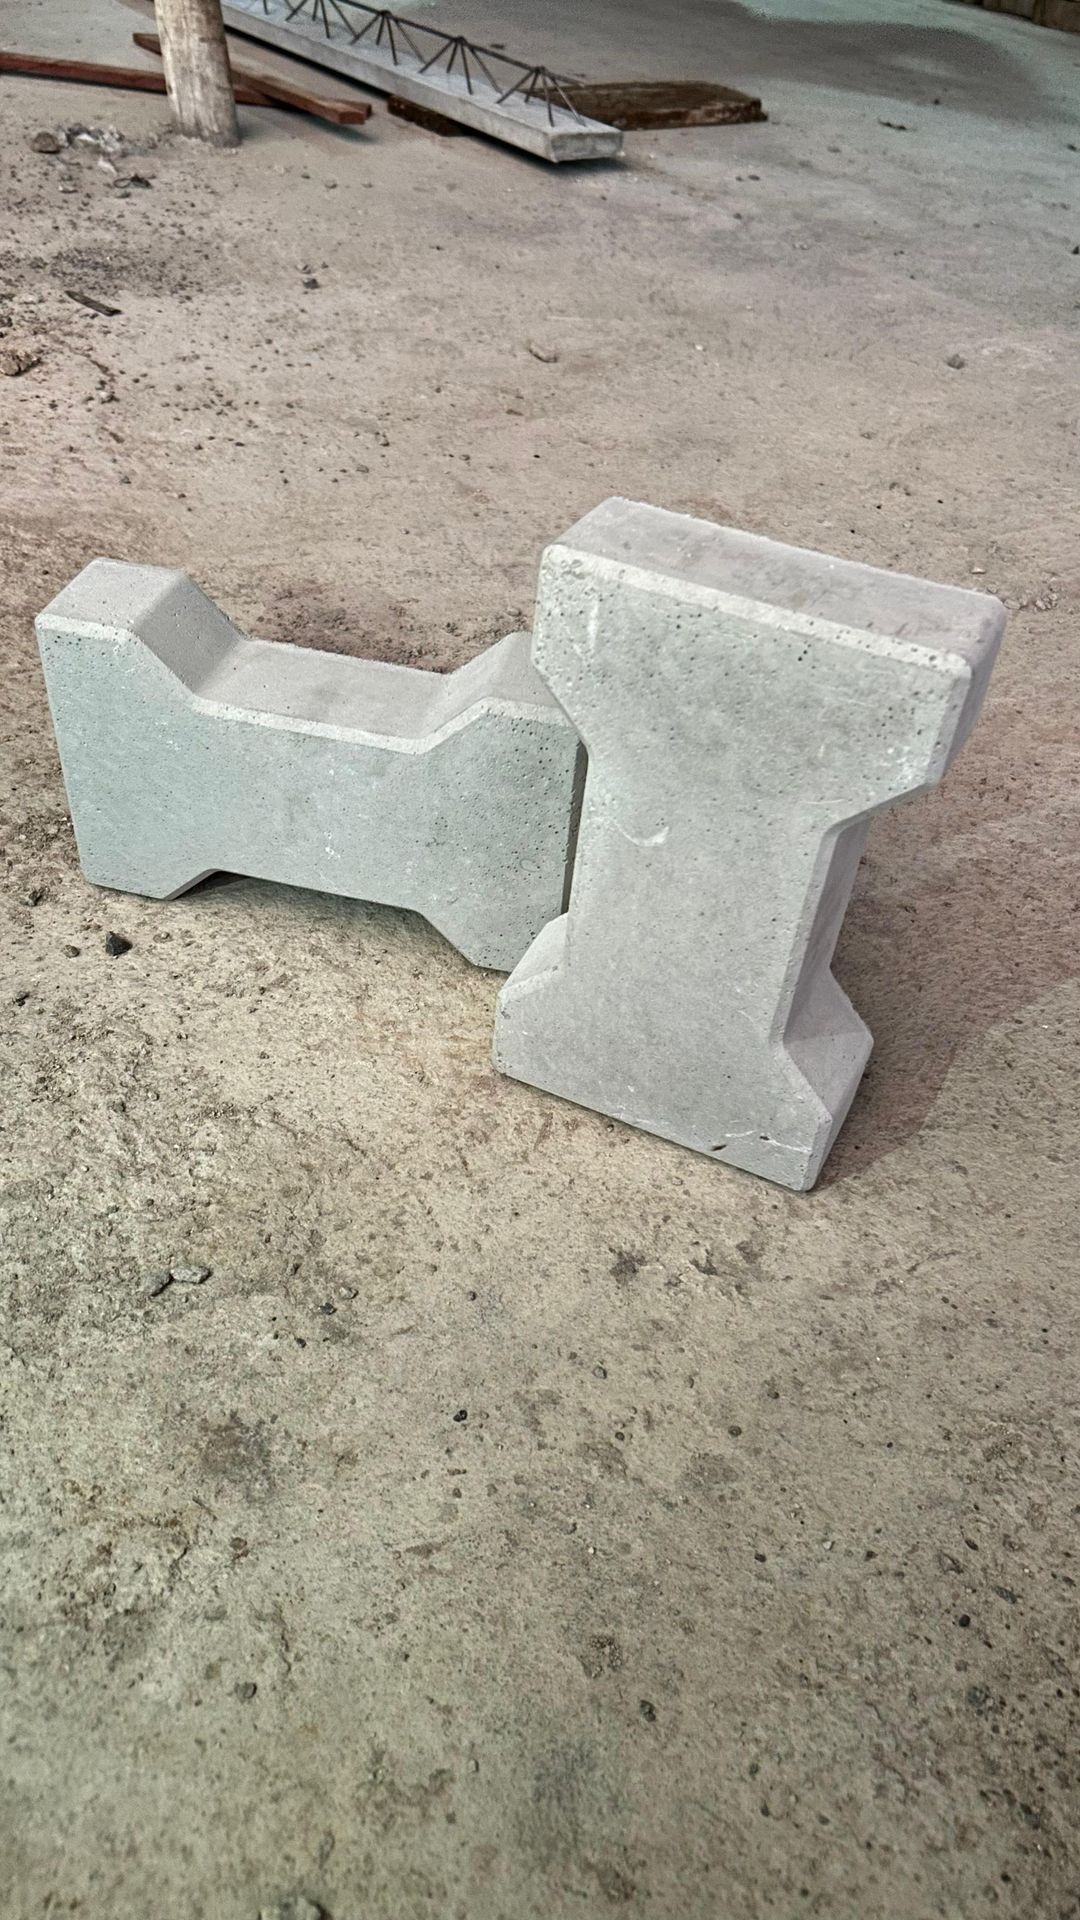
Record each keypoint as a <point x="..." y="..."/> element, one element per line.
<point x="197" y="69"/>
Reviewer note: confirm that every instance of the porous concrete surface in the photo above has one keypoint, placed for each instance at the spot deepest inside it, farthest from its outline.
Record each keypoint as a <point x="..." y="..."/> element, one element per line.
<point x="599" y="1532"/>
<point x="747" y="708"/>
<point x="187" y="747"/>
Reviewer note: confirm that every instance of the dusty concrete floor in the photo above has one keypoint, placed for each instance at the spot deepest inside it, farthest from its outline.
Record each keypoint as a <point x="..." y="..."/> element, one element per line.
<point x="527" y="1518"/>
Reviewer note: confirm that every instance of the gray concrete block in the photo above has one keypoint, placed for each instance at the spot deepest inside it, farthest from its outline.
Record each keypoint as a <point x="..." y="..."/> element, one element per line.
<point x="187" y="747"/>
<point x="746" y="708"/>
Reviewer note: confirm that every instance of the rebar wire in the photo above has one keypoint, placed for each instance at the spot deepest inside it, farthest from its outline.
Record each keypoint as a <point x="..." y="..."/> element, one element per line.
<point x="532" y="83"/>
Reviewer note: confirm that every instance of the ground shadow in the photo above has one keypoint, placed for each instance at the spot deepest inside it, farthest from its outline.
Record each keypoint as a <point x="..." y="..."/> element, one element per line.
<point x="943" y="946"/>
<point x="956" y="64"/>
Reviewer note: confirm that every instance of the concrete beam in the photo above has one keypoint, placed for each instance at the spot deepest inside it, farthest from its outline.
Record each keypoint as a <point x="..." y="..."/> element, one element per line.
<point x="187" y="747"/>
<point x="394" y="63"/>
<point x="747" y="707"/>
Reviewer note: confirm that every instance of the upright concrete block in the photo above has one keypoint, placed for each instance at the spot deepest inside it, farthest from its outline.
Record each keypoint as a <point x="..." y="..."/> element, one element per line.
<point x="187" y="747"/>
<point x="746" y="708"/>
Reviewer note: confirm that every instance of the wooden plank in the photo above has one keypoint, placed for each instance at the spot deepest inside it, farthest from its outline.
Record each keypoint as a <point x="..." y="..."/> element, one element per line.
<point x="635" y="105"/>
<point x="92" y="73"/>
<point x="340" y="113"/>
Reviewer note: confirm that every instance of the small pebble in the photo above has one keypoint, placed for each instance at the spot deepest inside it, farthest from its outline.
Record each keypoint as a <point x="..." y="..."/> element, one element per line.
<point x="956" y="360"/>
<point x="116" y="944"/>
<point x="46" y="142"/>
<point x="175" y="1276"/>
<point x="17" y="360"/>
<point x="190" y="1276"/>
<point x="245" y="1689"/>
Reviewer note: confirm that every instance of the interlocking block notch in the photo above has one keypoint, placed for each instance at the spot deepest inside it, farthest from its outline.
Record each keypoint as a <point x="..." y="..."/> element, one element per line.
<point x="746" y="707"/>
<point x="188" y="747"/>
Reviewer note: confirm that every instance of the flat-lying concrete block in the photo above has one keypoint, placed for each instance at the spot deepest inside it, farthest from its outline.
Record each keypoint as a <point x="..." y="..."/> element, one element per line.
<point x="746" y="708"/>
<point x="187" y="747"/>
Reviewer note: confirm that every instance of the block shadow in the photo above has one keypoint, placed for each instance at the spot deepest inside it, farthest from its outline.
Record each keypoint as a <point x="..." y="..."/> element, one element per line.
<point x="947" y="937"/>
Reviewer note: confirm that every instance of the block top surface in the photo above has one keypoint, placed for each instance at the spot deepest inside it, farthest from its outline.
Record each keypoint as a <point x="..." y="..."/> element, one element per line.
<point x="160" y="613"/>
<point x="796" y="580"/>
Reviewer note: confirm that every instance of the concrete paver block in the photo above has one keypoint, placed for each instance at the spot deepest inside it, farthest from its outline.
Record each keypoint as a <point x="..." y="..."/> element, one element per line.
<point x="188" y="747"/>
<point x="746" y="708"/>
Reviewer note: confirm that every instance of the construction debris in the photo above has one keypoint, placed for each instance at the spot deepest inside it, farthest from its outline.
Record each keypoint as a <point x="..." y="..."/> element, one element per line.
<point x="15" y="360"/>
<point x="486" y="90"/>
<point x="93" y="74"/>
<point x="106" y="141"/>
<point x="278" y="92"/>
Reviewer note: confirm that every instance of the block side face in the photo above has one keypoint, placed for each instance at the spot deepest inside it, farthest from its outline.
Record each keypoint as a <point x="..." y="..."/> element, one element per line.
<point x="756" y="1110"/>
<point x="799" y="580"/>
<point x="977" y="686"/>
<point x="496" y="836"/>
<point x="467" y="824"/>
<point x="737" y="748"/>
<point x="122" y="726"/>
